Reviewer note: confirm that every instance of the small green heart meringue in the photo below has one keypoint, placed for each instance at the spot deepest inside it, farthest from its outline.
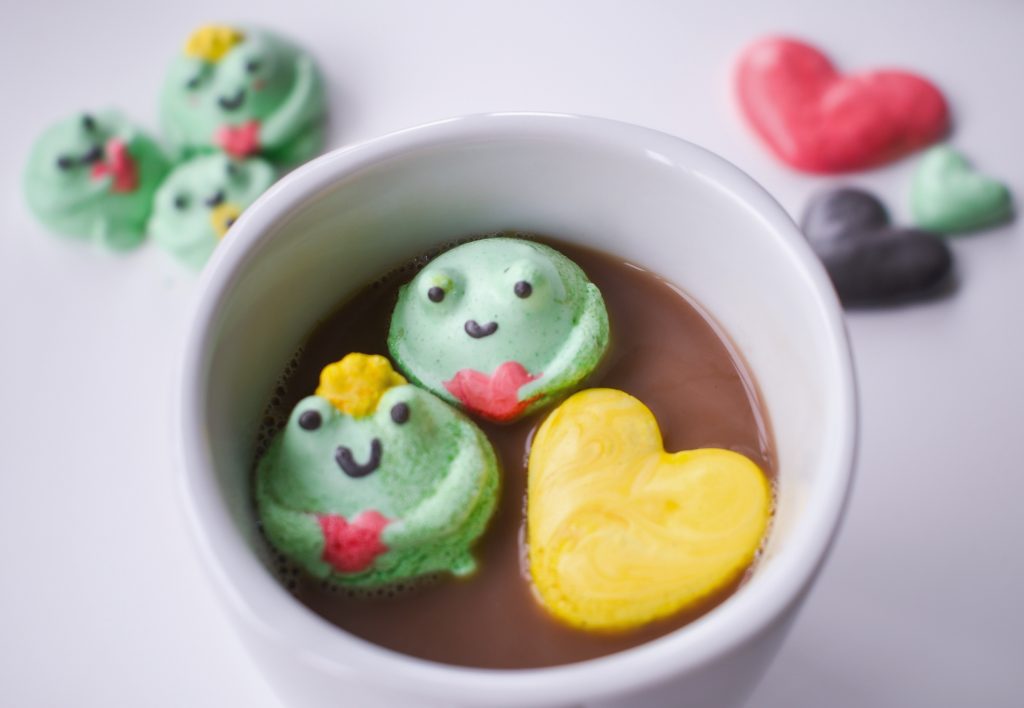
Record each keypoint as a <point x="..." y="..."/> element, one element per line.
<point x="949" y="196"/>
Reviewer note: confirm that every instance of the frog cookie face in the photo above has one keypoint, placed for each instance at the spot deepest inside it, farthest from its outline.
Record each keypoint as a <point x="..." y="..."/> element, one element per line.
<point x="373" y="480"/>
<point x="201" y="199"/>
<point x="246" y="92"/>
<point x="499" y="325"/>
<point x="93" y="176"/>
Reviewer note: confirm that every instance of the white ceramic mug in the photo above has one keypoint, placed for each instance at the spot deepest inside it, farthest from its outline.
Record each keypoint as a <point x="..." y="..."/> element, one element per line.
<point x="341" y="221"/>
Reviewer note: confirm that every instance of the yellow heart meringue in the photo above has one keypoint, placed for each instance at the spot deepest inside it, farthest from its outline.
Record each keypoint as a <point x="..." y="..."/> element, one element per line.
<point x="619" y="531"/>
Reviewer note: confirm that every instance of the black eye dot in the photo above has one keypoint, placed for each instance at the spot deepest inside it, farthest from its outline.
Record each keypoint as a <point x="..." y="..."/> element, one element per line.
<point x="435" y="294"/>
<point x="252" y="66"/>
<point x="65" y="163"/>
<point x="310" y="420"/>
<point x="523" y="289"/>
<point x="400" y="412"/>
<point x="193" y="83"/>
<point x="181" y="202"/>
<point x="231" y="168"/>
<point x="89" y="123"/>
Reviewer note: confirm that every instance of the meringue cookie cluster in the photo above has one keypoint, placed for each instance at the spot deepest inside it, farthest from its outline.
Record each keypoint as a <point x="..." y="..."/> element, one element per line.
<point x="238" y="105"/>
<point x="376" y="480"/>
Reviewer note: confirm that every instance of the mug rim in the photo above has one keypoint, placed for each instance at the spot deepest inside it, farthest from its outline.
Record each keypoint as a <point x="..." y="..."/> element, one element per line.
<point x="242" y="580"/>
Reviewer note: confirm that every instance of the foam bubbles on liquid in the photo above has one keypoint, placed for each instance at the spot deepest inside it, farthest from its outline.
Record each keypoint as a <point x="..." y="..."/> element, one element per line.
<point x="275" y="417"/>
<point x="384" y="592"/>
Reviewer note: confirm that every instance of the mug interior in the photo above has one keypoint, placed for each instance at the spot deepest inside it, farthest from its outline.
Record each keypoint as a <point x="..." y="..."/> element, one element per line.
<point x="665" y="205"/>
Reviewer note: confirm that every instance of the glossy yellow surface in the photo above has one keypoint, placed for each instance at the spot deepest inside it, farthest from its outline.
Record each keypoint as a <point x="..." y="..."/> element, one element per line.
<point x="621" y="532"/>
<point x="211" y="42"/>
<point x="355" y="383"/>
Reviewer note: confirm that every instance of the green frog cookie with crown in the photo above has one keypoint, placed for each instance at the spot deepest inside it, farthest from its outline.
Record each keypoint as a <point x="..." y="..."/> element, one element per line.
<point x="501" y="326"/>
<point x="374" y="481"/>
<point x="200" y="200"/>
<point x="247" y="92"/>
<point x="93" y="176"/>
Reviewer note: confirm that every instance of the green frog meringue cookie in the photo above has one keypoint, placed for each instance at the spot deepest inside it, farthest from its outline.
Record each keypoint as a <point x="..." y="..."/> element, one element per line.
<point x="93" y="176"/>
<point x="247" y="92"/>
<point x="500" y="325"/>
<point x="201" y="199"/>
<point x="374" y="481"/>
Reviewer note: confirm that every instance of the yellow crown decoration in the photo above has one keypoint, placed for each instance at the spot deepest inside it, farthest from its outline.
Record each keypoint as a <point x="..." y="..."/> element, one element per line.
<point x="211" y="42"/>
<point x="355" y="384"/>
<point x="223" y="217"/>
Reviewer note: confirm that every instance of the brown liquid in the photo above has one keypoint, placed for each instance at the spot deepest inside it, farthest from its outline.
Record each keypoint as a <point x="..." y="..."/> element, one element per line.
<point x="664" y="352"/>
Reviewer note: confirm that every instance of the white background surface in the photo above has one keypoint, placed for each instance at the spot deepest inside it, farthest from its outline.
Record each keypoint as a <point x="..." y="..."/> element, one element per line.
<point x="102" y="602"/>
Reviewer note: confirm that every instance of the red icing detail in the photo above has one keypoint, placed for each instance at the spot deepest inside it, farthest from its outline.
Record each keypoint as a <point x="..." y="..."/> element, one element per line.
<point x="818" y="120"/>
<point x="352" y="546"/>
<point x="239" y="140"/>
<point x="119" y="165"/>
<point x="495" y="396"/>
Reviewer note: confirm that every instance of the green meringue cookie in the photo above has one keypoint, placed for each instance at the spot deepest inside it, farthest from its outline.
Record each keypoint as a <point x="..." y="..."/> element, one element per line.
<point x="93" y="176"/>
<point x="499" y="325"/>
<point x="947" y="195"/>
<point x="199" y="201"/>
<point x="245" y="91"/>
<point x="365" y="501"/>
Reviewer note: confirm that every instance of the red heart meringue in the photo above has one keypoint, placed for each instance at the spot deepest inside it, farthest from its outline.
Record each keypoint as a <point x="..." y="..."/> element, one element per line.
<point x="494" y="397"/>
<point x="239" y="141"/>
<point x="818" y="120"/>
<point x="352" y="546"/>
<point x="117" y="163"/>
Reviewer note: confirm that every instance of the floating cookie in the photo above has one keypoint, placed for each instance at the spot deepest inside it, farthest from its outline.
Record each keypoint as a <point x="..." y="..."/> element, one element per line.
<point x="948" y="196"/>
<point x="201" y="199"/>
<point x="620" y="532"/>
<point x="373" y="480"/>
<point x="869" y="261"/>
<point x="247" y="92"/>
<point x="817" y="120"/>
<point x="500" y="326"/>
<point x="93" y="176"/>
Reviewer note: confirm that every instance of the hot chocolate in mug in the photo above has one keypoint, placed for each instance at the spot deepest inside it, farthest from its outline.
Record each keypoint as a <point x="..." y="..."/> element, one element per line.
<point x="337" y="223"/>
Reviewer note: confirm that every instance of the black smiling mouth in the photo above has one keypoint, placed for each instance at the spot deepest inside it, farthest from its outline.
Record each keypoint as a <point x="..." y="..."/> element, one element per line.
<point x="343" y="456"/>
<point x="92" y="155"/>
<point x="477" y="331"/>
<point x="233" y="103"/>
<point x="95" y="154"/>
<point x="215" y="199"/>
